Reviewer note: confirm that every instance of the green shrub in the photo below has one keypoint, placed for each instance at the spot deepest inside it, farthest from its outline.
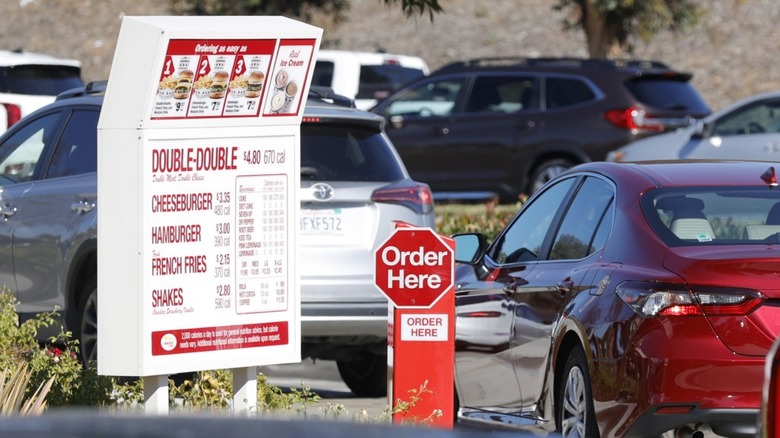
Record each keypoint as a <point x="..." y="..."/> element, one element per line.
<point x="488" y="219"/>
<point x="74" y="385"/>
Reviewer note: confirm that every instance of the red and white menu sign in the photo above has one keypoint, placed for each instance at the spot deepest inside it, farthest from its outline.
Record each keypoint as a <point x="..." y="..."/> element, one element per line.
<point x="230" y="78"/>
<point x="220" y="241"/>
<point x="198" y="179"/>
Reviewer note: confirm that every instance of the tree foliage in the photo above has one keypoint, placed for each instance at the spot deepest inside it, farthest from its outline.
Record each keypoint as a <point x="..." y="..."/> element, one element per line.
<point x="297" y="8"/>
<point x="609" y="24"/>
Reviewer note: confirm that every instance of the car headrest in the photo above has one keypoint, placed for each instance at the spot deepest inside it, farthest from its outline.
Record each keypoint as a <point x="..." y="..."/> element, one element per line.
<point x="678" y="203"/>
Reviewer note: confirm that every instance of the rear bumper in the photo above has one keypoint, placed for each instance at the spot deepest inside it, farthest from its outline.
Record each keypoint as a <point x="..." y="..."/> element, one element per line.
<point x="723" y="422"/>
<point x="344" y="319"/>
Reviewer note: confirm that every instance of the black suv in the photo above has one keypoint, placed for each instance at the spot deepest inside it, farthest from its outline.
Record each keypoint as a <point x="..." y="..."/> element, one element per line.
<point x="504" y="126"/>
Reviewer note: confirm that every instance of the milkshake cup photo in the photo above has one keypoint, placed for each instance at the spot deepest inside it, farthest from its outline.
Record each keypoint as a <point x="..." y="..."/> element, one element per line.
<point x="289" y="95"/>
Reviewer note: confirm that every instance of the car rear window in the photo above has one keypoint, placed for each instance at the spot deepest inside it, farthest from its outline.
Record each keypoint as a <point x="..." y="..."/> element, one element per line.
<point x="668" y="94"/>
<point x="341" y="152"/>
<point x="379" y="81"/>
<point x="714" y="215"/>
<point x="39" y="80"/>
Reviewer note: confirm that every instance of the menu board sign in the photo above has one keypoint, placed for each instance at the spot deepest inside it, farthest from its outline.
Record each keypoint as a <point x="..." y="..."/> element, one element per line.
<point x="198" y="178"/>
<point x="220" y="240"/>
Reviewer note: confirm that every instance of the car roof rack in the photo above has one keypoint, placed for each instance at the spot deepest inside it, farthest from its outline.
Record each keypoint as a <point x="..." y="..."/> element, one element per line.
<point x="327" y="94"/>
<point x="92" y="88"/>
<point x="554" y="62"/>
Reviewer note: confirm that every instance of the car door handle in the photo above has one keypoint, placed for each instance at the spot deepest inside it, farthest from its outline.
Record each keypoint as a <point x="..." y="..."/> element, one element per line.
<point x="526" y="125"/>
<point x="565" y="286"/>
<point x="82" y="206"/>
<point x="7" y="210"/>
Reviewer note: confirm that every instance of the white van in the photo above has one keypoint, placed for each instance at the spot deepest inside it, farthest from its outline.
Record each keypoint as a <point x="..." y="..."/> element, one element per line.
<point x="364" y="76"/>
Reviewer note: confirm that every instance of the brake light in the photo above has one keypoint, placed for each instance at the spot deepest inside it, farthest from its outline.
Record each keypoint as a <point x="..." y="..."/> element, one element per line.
<point x="13" y="113"/>
<point x="650" y="299"/>
<point x="634" y="119"/>
<point x="416" y="196"/>
<point x="311" y="120"/>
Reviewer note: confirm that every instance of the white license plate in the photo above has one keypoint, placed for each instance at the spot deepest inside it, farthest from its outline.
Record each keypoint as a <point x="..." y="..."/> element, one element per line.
<point x="322" y="222"/>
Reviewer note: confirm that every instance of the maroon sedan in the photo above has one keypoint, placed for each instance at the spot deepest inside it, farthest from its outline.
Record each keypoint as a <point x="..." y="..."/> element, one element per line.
<point x="625" y="300"/>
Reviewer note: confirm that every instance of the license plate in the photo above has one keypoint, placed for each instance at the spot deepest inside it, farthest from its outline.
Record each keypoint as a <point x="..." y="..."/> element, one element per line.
<point x="322" y="222"/>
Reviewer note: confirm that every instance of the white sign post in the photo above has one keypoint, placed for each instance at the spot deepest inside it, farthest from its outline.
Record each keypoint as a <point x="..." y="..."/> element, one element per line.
<point x="198" y="173"/>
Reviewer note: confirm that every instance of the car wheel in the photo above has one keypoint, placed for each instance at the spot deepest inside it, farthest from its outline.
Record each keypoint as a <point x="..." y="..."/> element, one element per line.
<point x="546" y="171"/>
<point x="87" y="323"/>
<point x="575" y="414"/>
<point x="365" y="376"/>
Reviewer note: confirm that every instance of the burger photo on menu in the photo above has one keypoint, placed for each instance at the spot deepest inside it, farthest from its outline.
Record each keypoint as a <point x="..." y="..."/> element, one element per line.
<point x="183" y="85"/>
<point x="255" y="84"/>
<point x="218" y="85"/>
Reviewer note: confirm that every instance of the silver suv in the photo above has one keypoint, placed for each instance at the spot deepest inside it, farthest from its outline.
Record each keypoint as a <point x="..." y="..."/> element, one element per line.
<point x="353" y="189"/>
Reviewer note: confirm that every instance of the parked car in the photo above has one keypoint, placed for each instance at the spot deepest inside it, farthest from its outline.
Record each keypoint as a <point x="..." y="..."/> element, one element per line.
<point x="746" y="130"/>
<point x="503" y="127"/>
<point x="353" y="187"/>
<point x="366" y="77"/>
<point x="30" y="80"/>
<point x="644" y="299"/>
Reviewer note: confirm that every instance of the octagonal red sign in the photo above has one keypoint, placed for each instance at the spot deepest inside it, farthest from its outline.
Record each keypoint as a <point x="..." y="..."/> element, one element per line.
<point x="414" y="267"/>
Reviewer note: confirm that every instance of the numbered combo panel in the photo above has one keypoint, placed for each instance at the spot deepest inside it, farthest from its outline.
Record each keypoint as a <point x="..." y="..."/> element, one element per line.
<point x="228" y="78"/>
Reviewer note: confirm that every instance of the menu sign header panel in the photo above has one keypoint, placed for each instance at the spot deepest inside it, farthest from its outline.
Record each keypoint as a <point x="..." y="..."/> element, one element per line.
<point x="204" y="71"/>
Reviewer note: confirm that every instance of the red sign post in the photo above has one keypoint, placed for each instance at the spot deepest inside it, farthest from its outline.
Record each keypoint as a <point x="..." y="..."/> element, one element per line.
<point x="414" y="269"/>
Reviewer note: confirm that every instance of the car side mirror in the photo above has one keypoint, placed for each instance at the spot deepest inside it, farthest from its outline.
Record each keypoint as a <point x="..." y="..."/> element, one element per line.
<point x="469" y="248"/>
<point x="701" y="130"/>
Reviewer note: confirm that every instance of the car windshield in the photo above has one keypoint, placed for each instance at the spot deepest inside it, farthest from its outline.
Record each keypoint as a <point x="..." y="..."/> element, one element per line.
<point x="39" y="80"/>
<point x="714" y="215"/>
<point x="334" y="152"/>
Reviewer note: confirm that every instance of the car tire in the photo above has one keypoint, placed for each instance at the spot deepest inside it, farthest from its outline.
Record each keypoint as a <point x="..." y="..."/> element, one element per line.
<point x="87" y="322"/>
<point x="545" y="171"/>
<point x="575" y="415"/>
<point x="365" y="376"/>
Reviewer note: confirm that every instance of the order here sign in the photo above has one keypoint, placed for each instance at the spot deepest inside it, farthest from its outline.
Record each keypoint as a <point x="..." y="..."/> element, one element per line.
<point x="414" y="267"/>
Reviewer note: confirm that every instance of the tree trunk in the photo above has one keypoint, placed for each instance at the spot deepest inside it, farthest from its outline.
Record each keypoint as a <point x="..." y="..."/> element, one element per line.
<point x="602" y="35"/>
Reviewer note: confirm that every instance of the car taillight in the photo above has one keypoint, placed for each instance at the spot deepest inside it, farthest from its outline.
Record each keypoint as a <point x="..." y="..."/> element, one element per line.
<point x="13" y="113"/>
<point x="634" y="119"/>
<point x="650" y="299"/>
<point x="413" y="195"/>
<point x="770" y="408"/>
